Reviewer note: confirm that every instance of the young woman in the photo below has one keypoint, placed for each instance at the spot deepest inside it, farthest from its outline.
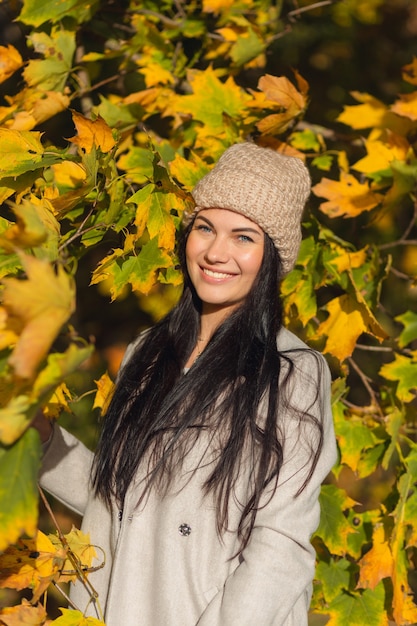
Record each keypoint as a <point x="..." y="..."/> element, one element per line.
<point x="203" y="492"/>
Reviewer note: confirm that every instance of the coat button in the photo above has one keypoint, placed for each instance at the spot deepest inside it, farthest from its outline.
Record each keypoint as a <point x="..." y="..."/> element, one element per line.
<point x="184" y="530"/>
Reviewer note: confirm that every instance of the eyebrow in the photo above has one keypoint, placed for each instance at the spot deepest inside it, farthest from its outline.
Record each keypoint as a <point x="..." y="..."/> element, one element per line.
<point x="245" y="229"/>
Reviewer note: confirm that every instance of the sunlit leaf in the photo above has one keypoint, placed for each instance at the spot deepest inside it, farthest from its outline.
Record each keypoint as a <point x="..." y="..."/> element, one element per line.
<point x="40" y="305"/>
<point x="19" y="465"/>
<point x="347" y="320"/>
<point x="92" y="133"/>
<point x="358" y="609"/>
<point x="45" y="107"/>
<point x="51" y="72"/>
<point x="334" y="528"/>
<point x="347" y="197"/>
<point x="403" y="369"/>
<point x="105" y="387"/>
<point x="406" y="106"/>
<point x="377" y="563"/>
<point x="19" y="152"/>
<point x="36" y="12"/>
<point x="371" y="113"/>
<point x="381" y="152"/>
<point x="24" y="614"/>
<point x="31" y="563"/>
<point x="334" y="577"/>
<point x="77" y="549"/>
<point x="409" y="73"/>
<point x="10" y="61"/>
<point x="75" y="618"/>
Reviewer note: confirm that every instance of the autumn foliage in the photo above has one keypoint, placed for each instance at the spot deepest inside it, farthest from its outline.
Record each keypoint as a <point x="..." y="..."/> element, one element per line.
<point x="152" y="97"/>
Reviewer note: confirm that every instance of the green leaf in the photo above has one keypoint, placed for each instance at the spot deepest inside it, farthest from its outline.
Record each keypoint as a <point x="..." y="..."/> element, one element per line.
<point x="51" y="72"/>
<point x="404" y="370"/>
<point x="19" y="465"/>
<point x="37" y="12"/>
<point x="334" y="577"/>
<point x="247" y="47"/>
<point x="305" y="140"/>
<point x="334" y="528"/>
<point x="409" y="334"/>
<point x="70" y="617"/>
<point x="358" y="609"/>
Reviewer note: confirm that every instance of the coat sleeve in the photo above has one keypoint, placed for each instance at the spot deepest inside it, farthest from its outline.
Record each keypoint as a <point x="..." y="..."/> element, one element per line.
<point x="66" y="468"/>
<point x="277" y="566"/>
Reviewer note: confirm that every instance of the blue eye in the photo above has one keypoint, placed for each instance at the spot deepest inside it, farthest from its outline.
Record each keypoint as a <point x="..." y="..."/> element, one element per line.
<point x="245" y="238"/>
<point x="203" y="228"/>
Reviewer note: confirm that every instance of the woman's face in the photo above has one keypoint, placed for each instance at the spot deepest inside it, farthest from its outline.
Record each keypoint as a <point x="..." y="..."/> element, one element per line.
<point x="224" y="253"/>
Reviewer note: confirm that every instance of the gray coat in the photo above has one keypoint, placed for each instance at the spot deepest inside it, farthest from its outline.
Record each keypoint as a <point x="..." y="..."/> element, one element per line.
<point x="165" y="563"/>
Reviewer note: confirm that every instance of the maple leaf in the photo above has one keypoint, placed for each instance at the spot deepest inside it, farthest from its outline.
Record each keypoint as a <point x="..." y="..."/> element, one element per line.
<point x="24" y="614"/>
<point x="283" y="94"/>
<point x="47" y="105"/>
<point x="77" y="549"/>
<point x="382" y="149"/>
<point x="211" y="99"/>
<point x="403" y="369"/>
<point x="105" y="387"/>
<point x="371" y="113"/>
<point x="35" y="224"/>
<point x="377" y="563"/>
<point x="334" y="528"/>
<point x="19" y="152"/>
<point x="10" y="61"/>
<point x="217" y="6"/>
<point x="75" y="618"/>
<point x="348" y="319"/>
<point x="406" y="106"/>
<point x="347" y="197"/>
<point x="19" y="466"/>
<point x="39" y="305"/>
<point x="32" y="563"/>
<point x="92" y="133"/>
<point x="356" y="609"/>
<point x="409" y="333"/>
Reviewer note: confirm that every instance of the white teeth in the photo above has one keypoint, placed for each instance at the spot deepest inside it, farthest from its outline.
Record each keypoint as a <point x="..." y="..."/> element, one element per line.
<point x="216" y="274"/>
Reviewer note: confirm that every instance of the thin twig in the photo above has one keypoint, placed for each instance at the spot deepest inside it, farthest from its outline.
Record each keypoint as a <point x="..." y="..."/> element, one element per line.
<point x="365" y="381"/>
<point x="361" y="346"/>
<point x="311" y="7"/>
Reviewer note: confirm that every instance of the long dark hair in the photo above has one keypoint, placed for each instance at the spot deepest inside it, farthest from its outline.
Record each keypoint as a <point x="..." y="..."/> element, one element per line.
<point x="157" y="413"/>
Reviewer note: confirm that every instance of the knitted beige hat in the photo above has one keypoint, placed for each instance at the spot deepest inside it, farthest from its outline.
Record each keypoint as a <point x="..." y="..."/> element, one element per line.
<point x="266" y="186"/>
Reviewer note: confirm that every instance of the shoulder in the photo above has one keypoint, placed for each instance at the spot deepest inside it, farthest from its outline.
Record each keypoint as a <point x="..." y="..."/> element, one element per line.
<point x="286" y="340"/>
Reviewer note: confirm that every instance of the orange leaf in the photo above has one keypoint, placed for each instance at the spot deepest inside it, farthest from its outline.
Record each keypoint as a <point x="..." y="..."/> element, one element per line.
<point x="410" y="72"/>
<point x="377" y="563"/>
<point x="282" y="91"/>
<point x="24" y="614"/>
<point x="346" y="197"/>
<point x="406" y="106"/>
<point x="10" y="61"/>
<point x="32" y="563"/>
<point x="92" y="133"/>
<point x="39" y="306"/>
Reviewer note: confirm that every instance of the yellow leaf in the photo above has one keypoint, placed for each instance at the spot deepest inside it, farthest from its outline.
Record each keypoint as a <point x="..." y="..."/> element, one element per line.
<point x="406" y="106"/>
<point x="10" y="61"/>
<point x="92" y="133"/>
<point x="105" y="388"/>
<point x="24" y="614"/>
<point x="75" y="618"/>
<point x="39" y="305"/>
<point x="35" y="221"/>
<point x="69" y="175"/>
<point x="58" y="402"/>
<point x="78" y="545"/>
<point x="32" y="563"/>
<point x="47" y="105"/>
<point x="155" y="74"/>
<point x="346" y="197"/>
<point x="14" y="419"/>
<point x="229" y="34"/>
<point x="367" y="115"/>
<point x="8" y="336"/>
<point x="349" y="260"/>
<point x="381" y="151"/>
<point x="216" y="6"/>
<point x="377" y="563"/>
<point x="347" y="320"/>
<point x="410" y="72"/>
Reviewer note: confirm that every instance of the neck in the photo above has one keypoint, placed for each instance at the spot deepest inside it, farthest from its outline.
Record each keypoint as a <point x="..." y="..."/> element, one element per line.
<point x="211" y="319"/>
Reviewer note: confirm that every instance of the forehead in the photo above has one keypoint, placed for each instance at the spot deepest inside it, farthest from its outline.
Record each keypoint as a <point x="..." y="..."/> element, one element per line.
<point x="228" y="218"/>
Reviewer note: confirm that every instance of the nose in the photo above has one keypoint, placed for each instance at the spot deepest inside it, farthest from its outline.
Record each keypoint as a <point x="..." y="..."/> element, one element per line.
<point x="217" y="251"/>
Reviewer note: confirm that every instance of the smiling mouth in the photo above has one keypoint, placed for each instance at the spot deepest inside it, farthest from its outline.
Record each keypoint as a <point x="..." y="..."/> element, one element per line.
<point x="213" y="274"/>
